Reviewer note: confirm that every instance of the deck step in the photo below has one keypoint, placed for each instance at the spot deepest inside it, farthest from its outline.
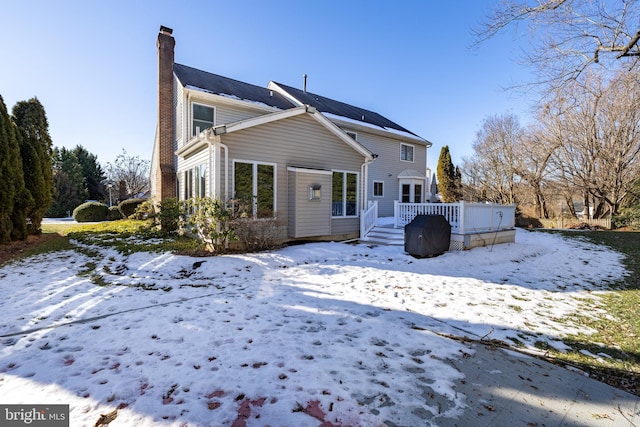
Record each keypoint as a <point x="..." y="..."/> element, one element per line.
<point x="386" y="236"/>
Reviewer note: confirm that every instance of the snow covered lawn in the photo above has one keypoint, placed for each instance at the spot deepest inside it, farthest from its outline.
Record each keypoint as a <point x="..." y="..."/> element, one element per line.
<point x="317" y="334"/>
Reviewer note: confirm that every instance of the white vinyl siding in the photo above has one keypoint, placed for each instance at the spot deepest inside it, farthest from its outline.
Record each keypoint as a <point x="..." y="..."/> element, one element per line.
<point x="178" y="105"/>
<point x="280" y="143"/>
<point x="387" y="167"/>
<point x="308" y="218"/>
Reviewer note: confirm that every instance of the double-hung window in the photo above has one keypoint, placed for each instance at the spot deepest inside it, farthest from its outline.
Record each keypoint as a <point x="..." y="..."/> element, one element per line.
<point x="254" y="186"/>
<point x="378" y="189"/>
<point x="344" y="194"/>
<point x="202" y="119"/>
<point x="406" y="152"/>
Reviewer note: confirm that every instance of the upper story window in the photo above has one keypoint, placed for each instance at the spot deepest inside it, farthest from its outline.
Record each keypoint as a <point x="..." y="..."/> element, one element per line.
<point x="406" y="152"/>
<point x="202" y="119"/>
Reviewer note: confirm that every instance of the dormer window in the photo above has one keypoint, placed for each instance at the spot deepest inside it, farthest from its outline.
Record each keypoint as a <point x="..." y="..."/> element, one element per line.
<point x="202" y="119"/>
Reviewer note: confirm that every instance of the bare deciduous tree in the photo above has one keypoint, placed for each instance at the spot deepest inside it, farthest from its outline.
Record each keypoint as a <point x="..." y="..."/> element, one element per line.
<point x="130" y="170"/>
<point x="568" y="36"/>
<point x="492" y="168"/>
<point x="595" y="125"/>
<point x="532" y="165"/>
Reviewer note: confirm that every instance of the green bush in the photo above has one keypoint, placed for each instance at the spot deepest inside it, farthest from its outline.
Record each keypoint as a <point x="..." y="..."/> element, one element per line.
<point x="629" y="217"/>
<point x="128" y="207"/>
<point x="211" y="221"/>
<point x="145" y="210"/>
<point x="169" y="217"/>
<point x="91" y="212"/>
<point x="114" y="214"/>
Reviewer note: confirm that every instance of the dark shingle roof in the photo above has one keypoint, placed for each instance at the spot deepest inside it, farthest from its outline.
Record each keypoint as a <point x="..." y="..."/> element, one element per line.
<point x="327" y="105"/>
<point x="220" y="85"/>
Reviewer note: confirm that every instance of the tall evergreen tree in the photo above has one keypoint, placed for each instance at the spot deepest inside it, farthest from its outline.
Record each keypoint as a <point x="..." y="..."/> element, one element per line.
<point x="7" y="191"/>
<point x="35" y="149"/>
<point x="92" y="171"/>
<point x="12" y="189"/>
<point x="446" y="177"/>
<point x="458" y="181"/>
<point x="70" y="190"/>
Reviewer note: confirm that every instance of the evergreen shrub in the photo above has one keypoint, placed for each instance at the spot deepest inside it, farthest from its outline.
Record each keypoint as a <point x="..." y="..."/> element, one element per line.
<point x="128" y="207"/>
<point x="91" y="212"/>
<point x="114" y="214"/>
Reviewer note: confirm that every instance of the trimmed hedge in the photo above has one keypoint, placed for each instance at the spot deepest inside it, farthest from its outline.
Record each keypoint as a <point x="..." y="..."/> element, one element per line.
<point x="91" y="212"/>
<point x="114" y="214"/>
<point x="128" y="207"/>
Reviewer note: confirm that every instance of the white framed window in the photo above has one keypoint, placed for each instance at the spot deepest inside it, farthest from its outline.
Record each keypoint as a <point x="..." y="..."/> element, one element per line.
<point x="200" y="182"/>
<point x="254" y="188"/>
<point x="202" y="118"/>
<point x="406" y="152"/>
<point x="378" y="189"/>
<point x="344" y="194"/>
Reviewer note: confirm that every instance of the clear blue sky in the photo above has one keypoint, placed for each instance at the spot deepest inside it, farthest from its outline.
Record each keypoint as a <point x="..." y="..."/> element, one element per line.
<point x="92" y="64"/>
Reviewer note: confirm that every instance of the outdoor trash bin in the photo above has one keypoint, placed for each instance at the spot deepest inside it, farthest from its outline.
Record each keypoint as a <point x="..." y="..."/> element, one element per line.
<point x="427" y="236"/>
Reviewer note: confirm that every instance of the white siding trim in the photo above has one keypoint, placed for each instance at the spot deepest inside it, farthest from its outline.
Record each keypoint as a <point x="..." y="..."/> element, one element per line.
<point x="305" y="170"/>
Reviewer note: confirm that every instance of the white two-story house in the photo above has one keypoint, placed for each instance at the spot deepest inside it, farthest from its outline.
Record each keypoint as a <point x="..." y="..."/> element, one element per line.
<point x="313" y="161"/>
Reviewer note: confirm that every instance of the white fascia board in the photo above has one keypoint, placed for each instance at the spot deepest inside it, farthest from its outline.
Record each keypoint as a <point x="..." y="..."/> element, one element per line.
<point x="221" y="98"/>
<point x="267" y="118"/>
<point x="307" y="170"/>
<point x="192" y="146"/>
<point x="274" y="87"/>
<point x="405" y="136"/>
<point x="333" y="128"/>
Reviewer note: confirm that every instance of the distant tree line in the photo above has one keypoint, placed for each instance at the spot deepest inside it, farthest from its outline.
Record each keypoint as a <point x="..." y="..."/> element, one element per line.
<point x="38" y="180"/>
<point x="583" y="145"/>
<point x="583" y="148"/>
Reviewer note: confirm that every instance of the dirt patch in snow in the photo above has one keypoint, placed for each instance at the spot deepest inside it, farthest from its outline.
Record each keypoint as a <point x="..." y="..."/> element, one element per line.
<point x="15" y="249"/>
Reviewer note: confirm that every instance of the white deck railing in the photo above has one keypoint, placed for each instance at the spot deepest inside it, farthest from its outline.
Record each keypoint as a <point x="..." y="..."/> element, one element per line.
<point x="464" y="217"/>
<point x="368" y="218"/>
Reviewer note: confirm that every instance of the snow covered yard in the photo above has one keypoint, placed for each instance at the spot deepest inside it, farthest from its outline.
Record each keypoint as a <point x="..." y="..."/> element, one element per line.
<point x="317" y="334"/>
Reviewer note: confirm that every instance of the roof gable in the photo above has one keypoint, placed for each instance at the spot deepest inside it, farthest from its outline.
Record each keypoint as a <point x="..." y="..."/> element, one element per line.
<point x="228" y="128"/>
<point x="224" y="86"/>
<point x="341" y="109"/>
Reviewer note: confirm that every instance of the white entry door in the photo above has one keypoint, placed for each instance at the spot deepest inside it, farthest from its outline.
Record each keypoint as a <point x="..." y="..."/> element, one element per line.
<point x="411" y="191"/>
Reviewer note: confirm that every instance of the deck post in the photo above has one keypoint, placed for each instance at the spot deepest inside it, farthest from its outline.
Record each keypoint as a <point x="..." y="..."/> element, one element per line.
<point x="396" y="214"/>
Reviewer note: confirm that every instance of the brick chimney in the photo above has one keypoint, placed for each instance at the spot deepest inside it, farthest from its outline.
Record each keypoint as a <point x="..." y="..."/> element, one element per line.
<point x="166" y="171"/>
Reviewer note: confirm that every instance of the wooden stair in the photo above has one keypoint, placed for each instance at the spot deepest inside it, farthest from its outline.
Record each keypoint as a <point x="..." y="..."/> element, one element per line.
<point x="385" y="236"/>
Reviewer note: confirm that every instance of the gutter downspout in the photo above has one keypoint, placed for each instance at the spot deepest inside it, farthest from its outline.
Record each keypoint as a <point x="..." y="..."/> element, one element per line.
<point x="214" y="141"/>
<point x="226" y="171"/>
